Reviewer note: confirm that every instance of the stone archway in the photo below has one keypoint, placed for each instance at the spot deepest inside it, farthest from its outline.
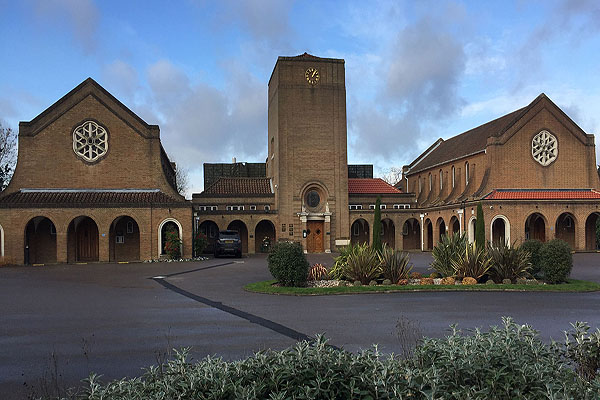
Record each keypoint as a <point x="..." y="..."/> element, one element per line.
<point x="388" y="233"/>
<point x="264" y="236"/>
<point x="124" y="239"/>
<point x="592" y="230"/>
<point x="428" y="234"/>
<point x="535" y="227"/>
<point x="411" y="232"/>
<point x="454" y="225"/>
<point x="168" y="225"/>
<point x="241" y="229"/>
<point x="210" y="229"/>
<point x="565" y="228"/>
<point x="82" y="240"/>
<point x="500" y="230"/>
<point x="441" y="228"/>
<point x="359" y="232"/>
<point x="472" y="228"/>
<point x="40" y="241"/>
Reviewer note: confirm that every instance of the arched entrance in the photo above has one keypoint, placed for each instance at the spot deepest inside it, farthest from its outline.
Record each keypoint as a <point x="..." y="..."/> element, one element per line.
<point x="82" y="240"/>
<point x="264" y="236"/>
<point x="592" y="232"/>
<point x="40" y="241"/>
<point x="411" y="232"/>
<point x="240" y="227"/>
<point x="429" y="235"/>
<point x="211" y="230"/>
<point x="565" y="228"/>
<point x="472" y="228"/>
<point x="441" y="228"/>
<point x="535" y="227"/>
<point x="124" y="239"/>
<point x="500" y="230"/>
<point x="360" y="232"/>
<point x="168" y="225"/>
<point x="454" y="225"/>
<point x="388" y="233"/>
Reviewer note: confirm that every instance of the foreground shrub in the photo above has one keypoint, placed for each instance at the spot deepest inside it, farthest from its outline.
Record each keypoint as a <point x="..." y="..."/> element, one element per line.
<point x="200" y="244"/>
<point x="288" y="264"/>
<point x="582" y="350"/>
<point x="317" y="272"/>
<point x="508" y="262"/>
<point x="507" y="362"/>
<point x="337" y="271"/>
<point x="363" y="264"/>
<point x="394" y="264"/>
<point x="474" y="262"/>
<point x="533" y="247"/>
<point x="173" y="245"/>
<point x="449" y="248"/>
<point x="556" y="261"/>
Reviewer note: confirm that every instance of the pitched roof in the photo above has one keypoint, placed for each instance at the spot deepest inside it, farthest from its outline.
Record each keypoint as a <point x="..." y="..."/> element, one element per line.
<point x="87" y="198"/>
<point x="543" y="194"/>
<point x="239" y="186"/>
<point x="370" y="186"/>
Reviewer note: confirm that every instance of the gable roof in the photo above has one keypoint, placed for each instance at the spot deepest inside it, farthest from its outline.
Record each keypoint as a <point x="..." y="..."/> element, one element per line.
<point x="233" y="186"/>
<point x="370" y="186"/>
<point x="543" y="194"/>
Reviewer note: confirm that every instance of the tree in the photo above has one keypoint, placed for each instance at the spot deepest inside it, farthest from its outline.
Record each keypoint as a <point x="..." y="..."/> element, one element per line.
<point x="377" y="225"/>
<point x="392" y="175"/>
<point x="8" y="155"/>
<point x="182" y="178"/>
<point x="480" y="228"/>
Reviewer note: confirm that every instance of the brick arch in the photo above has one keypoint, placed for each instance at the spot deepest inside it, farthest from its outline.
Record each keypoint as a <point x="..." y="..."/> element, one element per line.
<point x="160" y="233"/>
<point x="591" y="242"/>
<point x="265" y="228"/>
<point x="83" y="239"/>
<point x="532" y="227"/>
<point x="428" y="234"/>
<point x="411" y="232"/>
<point x="40" y="244"/>
<point x="565" y="228"/>
<point x="242" y="228"/>
<point x="124" y="245"/>
<point x="211" y="229"/>
<point x="360" y="231"/>
<point x="500" y="228"/>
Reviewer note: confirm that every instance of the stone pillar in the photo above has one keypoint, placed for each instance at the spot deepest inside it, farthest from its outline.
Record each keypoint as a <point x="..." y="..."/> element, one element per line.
<point x="303" y="229"/>
<point x="327" y="234"/>
<point x="460" y="221"/>
<point x="398" y="237"/>
<point x="61" y="247"/>
<point x="251" y="242"/>
<point x="422" y="232"/>
<point x="103" y="250"/>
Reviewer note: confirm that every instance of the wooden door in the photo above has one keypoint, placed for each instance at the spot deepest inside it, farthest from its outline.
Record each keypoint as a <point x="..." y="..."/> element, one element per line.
<point x="314" y="237"/>
<point x="87" y="240"/>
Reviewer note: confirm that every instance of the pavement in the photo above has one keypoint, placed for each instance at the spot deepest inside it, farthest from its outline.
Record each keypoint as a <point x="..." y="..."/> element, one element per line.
<point x="60" y="323"/>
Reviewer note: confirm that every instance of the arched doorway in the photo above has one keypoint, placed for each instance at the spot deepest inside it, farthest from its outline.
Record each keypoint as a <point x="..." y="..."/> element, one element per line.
<point x="168" y="225"/>
<point x="211" y="230"/>
<point x="388" y="233"/>
<point x="535" y="227"/>
<point x="441" y="228"/>
<point x="40" y="241"/>
<point x="411" y="232"/>
<point x="82" y="240"/>
<point x="472" y="228"/>
<point x="240" y="227"/>
<point x="264" y="236"/>
<point x="500" y="230"/>
<point x="454" y="225"/>
<point x="124" y="239"/>
<point x="429" y="235"/>
<point x="592" y="232"/>
<point x="360" y="232"/>
<point x="565" y="228"/>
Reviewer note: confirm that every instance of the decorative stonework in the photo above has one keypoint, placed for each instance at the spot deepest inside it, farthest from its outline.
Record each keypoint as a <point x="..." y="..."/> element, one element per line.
<point x="90" y="141"/>
<point x="544" y="148"/>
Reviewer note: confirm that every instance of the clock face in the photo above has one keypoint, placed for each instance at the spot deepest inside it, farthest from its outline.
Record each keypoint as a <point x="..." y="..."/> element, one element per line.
<point x="312" y="75"/>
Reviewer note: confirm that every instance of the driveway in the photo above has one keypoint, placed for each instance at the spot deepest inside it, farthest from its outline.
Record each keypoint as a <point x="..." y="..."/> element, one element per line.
<point x="114" y="319"/>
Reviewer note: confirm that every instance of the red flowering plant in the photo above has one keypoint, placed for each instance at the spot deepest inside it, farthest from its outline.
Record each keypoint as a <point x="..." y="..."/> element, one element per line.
<point x="200" y="243"/>
<point x="172" y="245"/>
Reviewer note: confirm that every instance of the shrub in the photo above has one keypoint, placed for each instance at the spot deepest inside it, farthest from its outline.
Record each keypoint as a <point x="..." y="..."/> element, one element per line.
<point x="449" y="248"/>
<point x="508" y="262"/>
<point x="200" y="243"/>
<point x="340" y="262"/>
<point x="363" y="264"/>
<point x="394" y="264"/>
<point x="448" y="281"/>
<point x="533" y="247"/>
<point x="582" y="350"/>
<point x="474" y="262"/>
<point x="288" y="264"/>
<point x="317" y="272"/>
<point x="469" y="281"/>
<point x="426" y="281"/>
<point x="556" y="261"/>
<point x="172" y="245"/>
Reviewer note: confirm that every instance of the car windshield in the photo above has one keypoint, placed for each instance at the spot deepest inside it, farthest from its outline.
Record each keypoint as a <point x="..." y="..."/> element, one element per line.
<point x="229" y="235"/>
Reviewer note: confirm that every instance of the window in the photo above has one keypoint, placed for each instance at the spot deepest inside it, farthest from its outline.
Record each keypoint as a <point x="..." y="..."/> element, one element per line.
<point x="441" y="179"/>
<point x="430" y="182"/>
<point x="401" y="206"/>
<point x="235" y="208"/>
<point x="267" y="208"/>
<point x="372" y="207"/>
<point x="467" y="173"/>
<point x="544" y="148"/>
<point x="129" y="226"/>
<point x="453" y="177"/>
<point x="90" y="141"/>
<point x="568" y="221"/>
<point x="207" y="208"/>
<point x="252" y="208"/>
<point x="420" y="185"/>
<point x="382" y="206"/>
<point x="120" y="239"/>
<point x="356" y="207"/>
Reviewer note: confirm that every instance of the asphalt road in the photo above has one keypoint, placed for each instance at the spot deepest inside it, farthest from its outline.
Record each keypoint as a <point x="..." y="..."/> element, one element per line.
<point x="59" y="323"/>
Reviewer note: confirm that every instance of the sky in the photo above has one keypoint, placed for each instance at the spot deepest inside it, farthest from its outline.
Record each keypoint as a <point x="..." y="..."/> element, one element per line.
<point x="415" y="71"/>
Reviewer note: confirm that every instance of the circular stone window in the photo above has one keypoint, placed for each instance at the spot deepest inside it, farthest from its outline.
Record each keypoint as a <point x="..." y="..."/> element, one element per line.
<point x="90" y="141"/>
<point x="313" y="199"/>
<point x="544" y="148"/>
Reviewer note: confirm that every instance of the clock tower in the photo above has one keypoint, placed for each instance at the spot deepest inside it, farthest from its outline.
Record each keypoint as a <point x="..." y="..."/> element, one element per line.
<point x="307" y="157"/>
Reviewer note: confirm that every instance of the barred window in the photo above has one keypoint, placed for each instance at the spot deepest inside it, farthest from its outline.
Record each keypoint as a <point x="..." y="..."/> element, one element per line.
<point x="90" y="141"/>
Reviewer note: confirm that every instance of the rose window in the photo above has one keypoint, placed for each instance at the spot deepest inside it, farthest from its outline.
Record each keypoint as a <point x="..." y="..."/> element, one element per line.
<point x="90" y="141"/>
<point x="544" y="148"/>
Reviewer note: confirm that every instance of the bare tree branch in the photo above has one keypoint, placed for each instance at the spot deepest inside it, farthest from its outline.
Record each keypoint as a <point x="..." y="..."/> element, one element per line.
<point x="182" y="177"/>
<point x="8" y="154"/>
<point x="392" y="175"/>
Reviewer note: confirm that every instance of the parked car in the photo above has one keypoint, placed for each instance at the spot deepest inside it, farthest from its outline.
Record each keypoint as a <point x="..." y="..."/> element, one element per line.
<point x="228" y="242"/>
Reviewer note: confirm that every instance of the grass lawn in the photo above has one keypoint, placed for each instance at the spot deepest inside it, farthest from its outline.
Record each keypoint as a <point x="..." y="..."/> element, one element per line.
<point x="572" y="285"/>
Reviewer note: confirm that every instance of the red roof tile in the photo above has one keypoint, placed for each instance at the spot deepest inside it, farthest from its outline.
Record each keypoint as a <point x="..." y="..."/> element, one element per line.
<point x="543" y="194"/>
<point x="370" y="186"/>
<point x="239" y="186"/>
<point x="87" y="198"/>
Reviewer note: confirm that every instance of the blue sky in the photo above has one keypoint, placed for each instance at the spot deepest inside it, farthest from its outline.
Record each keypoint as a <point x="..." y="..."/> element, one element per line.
<point x="415" y="71"/>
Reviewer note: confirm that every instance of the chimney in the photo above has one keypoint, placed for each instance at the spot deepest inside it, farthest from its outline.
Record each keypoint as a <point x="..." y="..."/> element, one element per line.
<point x="233" y="160"/>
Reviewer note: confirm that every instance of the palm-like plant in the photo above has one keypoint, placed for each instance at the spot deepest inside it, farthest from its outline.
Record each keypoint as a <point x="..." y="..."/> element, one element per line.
<point x="508" y="263"/>
<point x="394" y="264"/>
<point x="362" y="264"/>
<point x="341" y="261"/>
<point x="450" y="248"/>
<point x="473" y="262"/>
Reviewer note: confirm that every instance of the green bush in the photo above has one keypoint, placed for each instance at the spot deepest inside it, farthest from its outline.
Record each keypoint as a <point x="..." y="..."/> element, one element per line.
<point x="508" y="262"/>
<point x="200" y="243"/>
<point x="394" y="264"/>
<point x="172" y="245"/>
<point x="533" y="247"/>
<point x="582" y="350"/>
<point x="556" y="261"/>
<point x="288" y="264"/>
<point x="450" y="248"/>
<point x="363" y="264"/>
<point x="337" y="271"/>
<point x="474" y="262"/>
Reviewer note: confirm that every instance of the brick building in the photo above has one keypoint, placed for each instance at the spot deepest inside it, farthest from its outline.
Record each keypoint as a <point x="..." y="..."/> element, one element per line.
<point x="93" y="183"/>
